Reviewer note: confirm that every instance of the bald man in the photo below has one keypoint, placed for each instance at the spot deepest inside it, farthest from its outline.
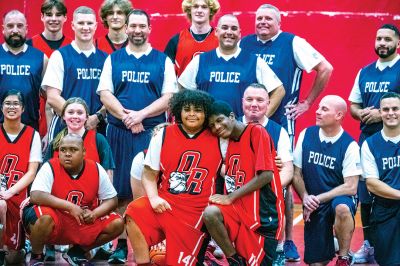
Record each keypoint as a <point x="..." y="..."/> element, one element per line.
<point x="326" y="173"/>
<point x="227" y="71"/>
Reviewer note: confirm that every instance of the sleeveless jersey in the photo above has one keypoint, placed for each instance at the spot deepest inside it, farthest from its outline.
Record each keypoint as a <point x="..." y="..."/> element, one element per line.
<point x="40" y="43"/>
<point x="373" y="83"/>
<point x="227" y="80"/>
<point x="387" y="158"/>
<point x="322" y="162"/>
<point x="89" y="142"/>
<point x="189" y="169"/>
<point x="252" y="153"/>
<point x="14" y="159"/>
<point x="81" y="76"/>
<point x="105" y="44"/>
<point x="137" y="83"/>
<point x="82" y="190"/>
<point x="280" y="57"/>
<point x="24" y="73"/>
<point x="188" y="47"/>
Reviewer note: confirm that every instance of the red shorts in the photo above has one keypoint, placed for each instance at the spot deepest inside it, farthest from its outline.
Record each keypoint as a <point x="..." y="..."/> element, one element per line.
<point x="14" y="234"/>
<point x="68" y="231"/>
<point x="183" y="240"/>
<point x="248" y="244"/>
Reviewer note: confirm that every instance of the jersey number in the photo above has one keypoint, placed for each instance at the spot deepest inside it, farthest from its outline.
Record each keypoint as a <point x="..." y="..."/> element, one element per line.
<point x="75" y="197"/>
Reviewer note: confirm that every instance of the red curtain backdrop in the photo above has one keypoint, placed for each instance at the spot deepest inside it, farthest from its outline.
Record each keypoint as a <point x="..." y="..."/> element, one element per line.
<point x="343" y="31"/>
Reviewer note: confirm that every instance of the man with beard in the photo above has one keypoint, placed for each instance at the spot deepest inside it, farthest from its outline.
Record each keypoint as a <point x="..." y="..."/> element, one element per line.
<point x="371" y="83"/>
<point x="135" y="86"/>
<point x="53" y="16"/>
<point x="74" y="71"/>
<point x="227" y="71"/>
<point x="113" y="14"/>
<point x="21" y="66"/>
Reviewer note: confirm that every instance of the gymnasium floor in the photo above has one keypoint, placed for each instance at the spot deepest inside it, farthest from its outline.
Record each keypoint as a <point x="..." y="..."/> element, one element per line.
<point x="298" y="239"/>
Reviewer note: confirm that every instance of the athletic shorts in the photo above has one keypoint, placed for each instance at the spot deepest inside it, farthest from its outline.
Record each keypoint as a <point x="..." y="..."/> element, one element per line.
<point x="66" y="230"/>
<point x="385" y="233"/>
<point x="248" y="244"/>
<point x="184" y="241"/>
<point x="124" y="146"/>
<point x="14" y="235"/>
<point x="318" y="233"/>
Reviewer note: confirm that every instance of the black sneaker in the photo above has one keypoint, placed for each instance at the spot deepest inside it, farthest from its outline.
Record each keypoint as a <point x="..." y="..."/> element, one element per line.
<point x="119" y="256"/>
<point x="102" y="254"/>
<point x="236" y="260"/>
<point x="75" y="256"/>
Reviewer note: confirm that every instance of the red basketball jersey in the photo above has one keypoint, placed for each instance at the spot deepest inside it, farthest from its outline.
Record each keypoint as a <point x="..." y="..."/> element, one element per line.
<point x="105" y="44"/>
<point x="189" y="168"/>
<point x="89" y="142"/>
<point x="39" y="43"/>
<point x="14" y="158"/>
<point x="188" y="48"/>
<point x="255" y="152"/>
<point x="81" y="190"/>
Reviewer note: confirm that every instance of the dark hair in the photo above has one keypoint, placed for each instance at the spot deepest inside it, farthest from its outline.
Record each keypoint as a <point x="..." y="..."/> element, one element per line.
<point x="391" y="27"/>
<point x="221" y="108"/>
<point x="190" y="97"/>
<point x="138" y="12"/>
<point x="49" y="4"/>
<point x="13" y="92"/>
<point x="390" y="95"/>
<point x="107" y="6"/>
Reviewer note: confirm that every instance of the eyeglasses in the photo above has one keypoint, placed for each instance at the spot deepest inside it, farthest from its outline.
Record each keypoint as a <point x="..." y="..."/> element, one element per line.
<point x="14" y="104"/>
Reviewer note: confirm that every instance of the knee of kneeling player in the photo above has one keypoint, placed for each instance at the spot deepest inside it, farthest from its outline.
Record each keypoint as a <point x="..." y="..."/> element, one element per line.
<point x="211" y="214"/>
<point x="342" y="212"/>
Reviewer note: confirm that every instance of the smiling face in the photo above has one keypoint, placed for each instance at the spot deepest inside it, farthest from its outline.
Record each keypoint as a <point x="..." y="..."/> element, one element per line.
<point x="53" y="20"/>
<point x="193" y="118"/>
<point x="75" y="117"/>
<point x="138" y="29"/>
<point x="390" y="112"/>
<point x="267" y="23"/>
<point x="228" y="32"/>
<point x="84" y="26"/>
<point x="12" y="108"/>
<point x="221" y="125"/>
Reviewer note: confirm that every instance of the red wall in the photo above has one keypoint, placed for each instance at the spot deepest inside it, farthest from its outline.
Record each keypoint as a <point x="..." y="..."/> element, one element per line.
<point x="343" y="31"/>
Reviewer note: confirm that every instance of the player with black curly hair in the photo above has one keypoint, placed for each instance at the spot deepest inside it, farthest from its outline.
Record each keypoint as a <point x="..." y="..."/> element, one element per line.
<point x="185" y="159"/>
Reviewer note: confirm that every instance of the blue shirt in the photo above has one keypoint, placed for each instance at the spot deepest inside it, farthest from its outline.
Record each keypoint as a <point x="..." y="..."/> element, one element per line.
<point x="23" y="72"/>
<point x="280" y="57"/>
<point x="81" y="75"/>
<point x="137" y="83"/>
<point x="322" y="162"/>
<point x="226" y="80"/>
<point x="373" y="83"/>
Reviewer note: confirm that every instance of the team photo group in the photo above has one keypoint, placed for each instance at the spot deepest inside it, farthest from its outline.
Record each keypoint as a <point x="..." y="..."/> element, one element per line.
<point x="113" y="152"/>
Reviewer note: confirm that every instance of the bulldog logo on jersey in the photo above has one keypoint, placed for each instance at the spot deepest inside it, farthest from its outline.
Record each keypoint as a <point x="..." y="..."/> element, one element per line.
<point x="188" y="177"/>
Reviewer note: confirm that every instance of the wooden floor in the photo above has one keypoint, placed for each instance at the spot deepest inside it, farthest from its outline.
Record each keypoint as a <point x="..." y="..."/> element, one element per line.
<point x="297" y="237"/>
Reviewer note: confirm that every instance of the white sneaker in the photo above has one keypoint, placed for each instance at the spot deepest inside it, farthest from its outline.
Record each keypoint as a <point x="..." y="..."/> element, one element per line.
<point x="364" y="254"/>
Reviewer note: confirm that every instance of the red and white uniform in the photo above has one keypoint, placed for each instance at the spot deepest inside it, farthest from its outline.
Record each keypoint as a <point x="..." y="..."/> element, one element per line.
<point x="187" y="180"/>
